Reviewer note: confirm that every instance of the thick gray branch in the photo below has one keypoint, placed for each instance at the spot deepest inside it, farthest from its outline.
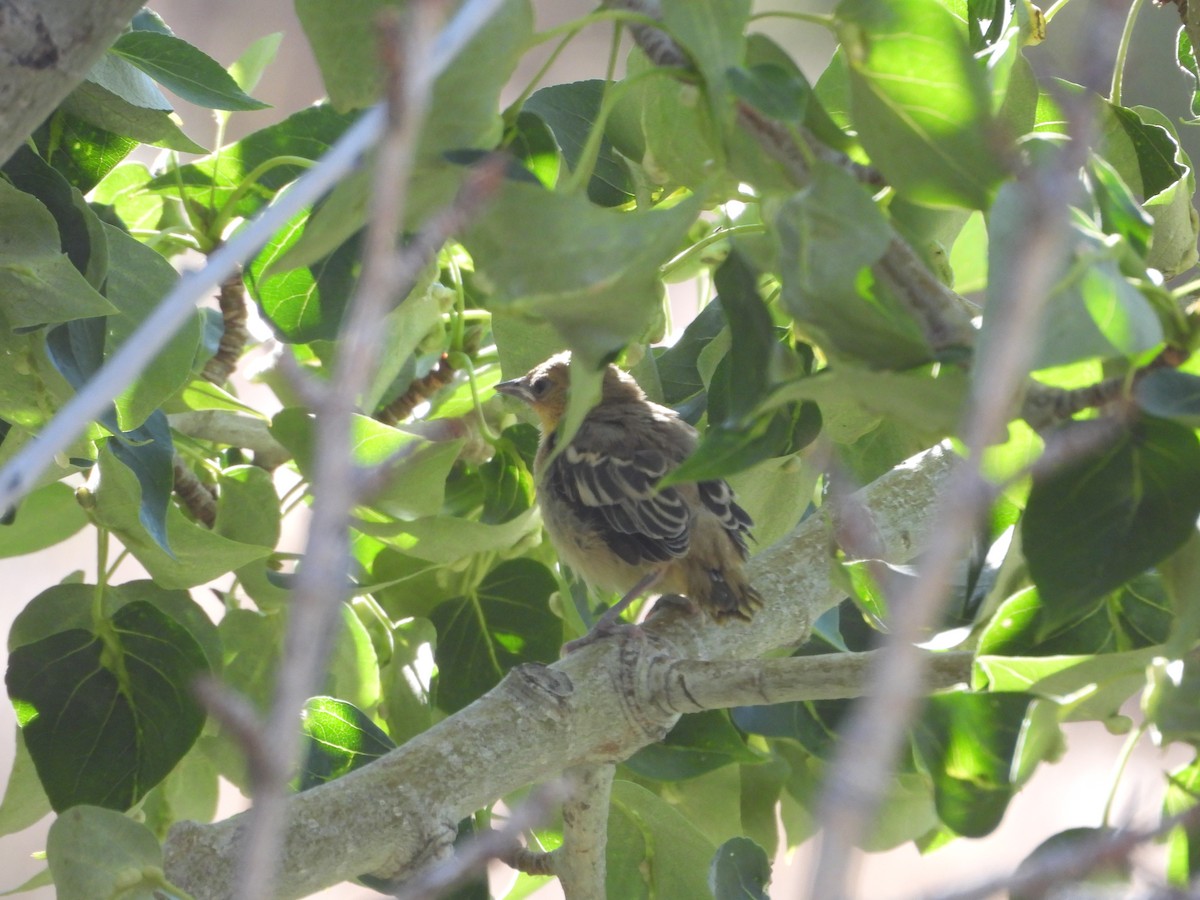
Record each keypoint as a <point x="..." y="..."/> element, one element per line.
<point x="598" y="705"/>
<point x="698" y="684"/>
<point x="46" y="47"/>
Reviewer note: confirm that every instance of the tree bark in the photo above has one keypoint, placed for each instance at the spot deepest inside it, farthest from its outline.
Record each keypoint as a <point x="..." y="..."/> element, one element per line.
<point x="46" y="48"/>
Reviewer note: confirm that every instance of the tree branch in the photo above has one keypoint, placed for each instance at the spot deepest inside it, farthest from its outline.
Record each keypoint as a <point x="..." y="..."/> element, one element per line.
<point x="598" y="705"/>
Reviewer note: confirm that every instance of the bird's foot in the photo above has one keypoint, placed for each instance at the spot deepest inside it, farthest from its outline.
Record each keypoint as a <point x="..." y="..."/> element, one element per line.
<point x="668" y="603"/>
<point x="605" y="627"/>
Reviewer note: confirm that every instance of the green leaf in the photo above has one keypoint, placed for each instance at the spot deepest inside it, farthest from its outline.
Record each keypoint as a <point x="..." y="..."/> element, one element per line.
<point x="45" y="517"/>
<point x="754" y="348"/>
<point x="189" y="792"/>
<point x="197" y="554"/>
<point x="713" y="36"/>
<point x="340" y="738"/>
<point x="416" y="483"/>
<point x="967" y="743"/>
<point x="38" y="283"/>
<point x="25" y="801"/>
<point x="920" y="101"/>
<point x="600" y="288"/>
<point x="829" y="234"/>
<point x="448" y="539"/>
<point x="1170" y="394"/>
<point x="1111" y="510"/>
<point x="407" y="707"/>
<point x="772" y="90"/>
<point x="305" y="303"/>
<point x="699" y="743"/>
<point x="97" y="853"/>
<point x="107" y="716"/>
<point x="570" y="111"/>
<point x="504" y="622"/>
<point x="117" y="97"/>
<point x="79" y="228"/>
<point x="1183" y="843"/>
<point x="83" y="153"/>
<point x="1087" y="687"/>
<point x="248" y="69"/>
<point x="139" y="278"/>
<point x="664" y="125"/>
<point x="181" y="68"/>
<point x="465" y="96"/>
<point x="1135" y="616"/>
<point x="212" y="181"/>
<point x="740" y="870"/>
<point x="247" y="506"/>
<point x="653" y="850"/>
<point x="677" y="365"/>
<point x="1170" y="701"/>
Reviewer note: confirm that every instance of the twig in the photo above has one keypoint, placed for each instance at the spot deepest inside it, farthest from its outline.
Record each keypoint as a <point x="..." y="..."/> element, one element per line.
<point x="420" y="390"/>
<point x="232" y="300"/>
<point x="471" y="857"/>
<point x="238" y="718"/>
<point x="321" y="580"/>
<point x="197" y="497"/>
<point x="1036" y="877"/>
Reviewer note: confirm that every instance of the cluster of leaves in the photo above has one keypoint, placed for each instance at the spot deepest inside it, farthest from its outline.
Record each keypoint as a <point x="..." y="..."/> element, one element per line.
<point x="1083" y="596"/>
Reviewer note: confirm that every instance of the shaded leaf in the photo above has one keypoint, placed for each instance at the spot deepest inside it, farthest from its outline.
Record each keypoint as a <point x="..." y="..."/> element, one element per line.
<point x="570" y="111"/>
<point x="100" y="853"/>
<point x="698" y="743"/>
<point x="652" y="849"/>
<point x="183" y="69"/>
<point x="1111" y="511"/>
<point x="967" y="743"/>
<point x="506" y="621"/>
<point x="106" y="716"/>
<point x="739" y="870"/>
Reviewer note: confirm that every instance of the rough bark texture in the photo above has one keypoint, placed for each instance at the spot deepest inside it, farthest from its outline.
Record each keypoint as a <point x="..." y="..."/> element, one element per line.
<point x="46" y="47"/>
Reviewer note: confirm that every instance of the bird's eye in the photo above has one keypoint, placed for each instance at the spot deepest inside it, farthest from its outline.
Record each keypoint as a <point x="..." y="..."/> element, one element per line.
<point x="540" y="386"/>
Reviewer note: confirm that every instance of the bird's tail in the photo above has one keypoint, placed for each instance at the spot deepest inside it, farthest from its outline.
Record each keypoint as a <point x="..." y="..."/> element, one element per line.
<point x="727" y="595"/>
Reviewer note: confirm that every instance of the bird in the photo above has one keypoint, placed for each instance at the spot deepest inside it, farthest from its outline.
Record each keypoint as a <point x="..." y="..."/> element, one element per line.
<point x="606" y="516"/>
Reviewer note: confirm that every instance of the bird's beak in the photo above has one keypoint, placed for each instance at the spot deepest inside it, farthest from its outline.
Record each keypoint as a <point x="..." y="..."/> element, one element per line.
<point x="515" y="388"/>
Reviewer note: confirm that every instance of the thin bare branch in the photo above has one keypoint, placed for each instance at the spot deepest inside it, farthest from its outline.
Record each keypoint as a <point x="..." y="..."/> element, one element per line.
<point x="321" y="580"/>
<point x="874" y="730"/>
<point x="474" y="855"/>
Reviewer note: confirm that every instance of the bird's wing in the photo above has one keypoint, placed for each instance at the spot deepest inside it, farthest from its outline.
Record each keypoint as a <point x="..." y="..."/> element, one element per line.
<point x="718" y="498"/>
<point x="612" y="489"/>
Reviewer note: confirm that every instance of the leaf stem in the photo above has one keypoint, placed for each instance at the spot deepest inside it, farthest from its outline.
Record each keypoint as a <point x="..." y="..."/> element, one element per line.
<point x="1114" y="94"/>
<point x="225" y="214"/>
<point x="1122" y="763"/>
<point x="1053" y="10"/>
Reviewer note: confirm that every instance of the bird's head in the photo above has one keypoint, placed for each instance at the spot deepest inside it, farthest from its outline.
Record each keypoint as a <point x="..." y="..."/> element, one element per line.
<point x="544" y="388"/>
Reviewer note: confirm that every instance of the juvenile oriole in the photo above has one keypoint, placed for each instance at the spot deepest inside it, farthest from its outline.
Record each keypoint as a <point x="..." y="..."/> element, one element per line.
<point x="604" y="512"/>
